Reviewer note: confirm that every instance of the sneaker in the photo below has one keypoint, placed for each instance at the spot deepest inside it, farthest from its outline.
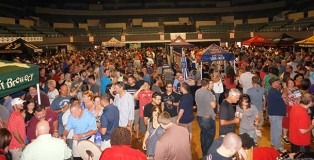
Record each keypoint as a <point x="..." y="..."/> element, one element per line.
<point x="286" y="140"/>
<point x="282" y="150"/>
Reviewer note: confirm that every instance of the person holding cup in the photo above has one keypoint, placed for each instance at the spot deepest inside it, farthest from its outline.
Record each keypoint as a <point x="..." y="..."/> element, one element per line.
<point x="248" y="115"/>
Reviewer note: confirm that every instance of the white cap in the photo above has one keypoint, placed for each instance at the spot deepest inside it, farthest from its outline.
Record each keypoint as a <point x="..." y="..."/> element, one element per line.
<point x="17" y="101"/>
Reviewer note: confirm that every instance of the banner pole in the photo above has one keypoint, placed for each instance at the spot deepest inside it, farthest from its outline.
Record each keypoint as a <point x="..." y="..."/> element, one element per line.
<point x="38" y="94"/>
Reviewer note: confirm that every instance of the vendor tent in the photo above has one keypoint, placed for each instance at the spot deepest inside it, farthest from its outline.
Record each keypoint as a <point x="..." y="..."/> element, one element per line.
<point x="282" y="40"/>
<point x="309" y="42"/>
<point x="113" y="42"/>
<point x="179" y="42"/>
<point x="255" y="41"/>
<point x="215" y="53"/>
<point x="20" y="46"/>
<point x="15" y="77"/>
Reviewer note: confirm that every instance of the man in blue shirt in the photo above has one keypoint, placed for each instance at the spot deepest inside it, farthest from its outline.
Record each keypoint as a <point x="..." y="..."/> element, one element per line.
<point x="276" y="111"/>
<point x="105" y="80"/>
<point x="83" y="124"/>
<point x="109" y="120"/>
<point x="60" y="105"/>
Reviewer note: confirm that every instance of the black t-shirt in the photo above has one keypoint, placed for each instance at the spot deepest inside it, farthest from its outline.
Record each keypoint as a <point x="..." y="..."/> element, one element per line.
<point x="132" y="90"/>
<point x="140" y="83"/>
<point x="173" y="97"/>
<point x="212" y="153"/>
<point x="226" y="113"/>
<point x="148" y="110"/>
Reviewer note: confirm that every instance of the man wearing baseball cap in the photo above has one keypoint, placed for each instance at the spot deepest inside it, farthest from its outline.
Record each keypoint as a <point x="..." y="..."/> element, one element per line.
<point x="16" y="126"/>
<point x="276" y="111"/>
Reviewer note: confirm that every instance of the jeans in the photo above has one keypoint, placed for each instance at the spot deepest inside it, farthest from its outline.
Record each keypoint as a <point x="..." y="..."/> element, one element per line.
<point x="296" y="148"/>
<point x="208" y="131"/>
<point x="276" y="131"/>
<point x="216" y="109"/>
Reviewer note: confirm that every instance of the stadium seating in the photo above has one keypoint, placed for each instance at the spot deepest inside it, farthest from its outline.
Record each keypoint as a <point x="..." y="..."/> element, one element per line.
<point x="222" y="28"/>
<point x="142" y="30"/>
<point x="97" y="31"/>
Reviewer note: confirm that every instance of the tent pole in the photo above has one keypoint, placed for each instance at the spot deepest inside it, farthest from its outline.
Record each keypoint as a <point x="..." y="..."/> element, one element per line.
<point x="38" y="94"/>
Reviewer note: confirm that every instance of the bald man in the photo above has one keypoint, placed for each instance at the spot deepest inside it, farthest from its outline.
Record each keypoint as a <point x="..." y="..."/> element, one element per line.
<point x="225" y="147"/>
<point x="45" y="146"/>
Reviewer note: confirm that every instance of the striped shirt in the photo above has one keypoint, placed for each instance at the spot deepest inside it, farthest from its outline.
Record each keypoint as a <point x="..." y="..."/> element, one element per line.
<point x="83" y="124"/>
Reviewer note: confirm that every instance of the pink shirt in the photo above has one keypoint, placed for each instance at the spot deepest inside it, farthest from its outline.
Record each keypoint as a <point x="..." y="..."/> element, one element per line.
<point x="16" y="124"/>
<point x="144" y="97"/>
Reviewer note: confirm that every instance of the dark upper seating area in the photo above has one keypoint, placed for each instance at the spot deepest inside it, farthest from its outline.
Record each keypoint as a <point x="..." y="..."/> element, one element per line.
<point x="221" y="28"/>
<point x="98" y="31"/>
<point x="73" y="31"/>
<point x="249" y="27"/>
<point x="18" y="30"/>
<point x="179" y="28"/>
<point x="142" y="30"/>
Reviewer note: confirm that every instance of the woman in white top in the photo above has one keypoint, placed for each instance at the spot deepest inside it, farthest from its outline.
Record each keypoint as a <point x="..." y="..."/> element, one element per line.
<point x="52" y="91"/>
<point x="218" y="87"/>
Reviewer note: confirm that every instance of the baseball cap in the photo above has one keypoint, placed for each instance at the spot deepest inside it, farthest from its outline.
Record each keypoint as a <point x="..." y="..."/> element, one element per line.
<point x="17" y="101"/>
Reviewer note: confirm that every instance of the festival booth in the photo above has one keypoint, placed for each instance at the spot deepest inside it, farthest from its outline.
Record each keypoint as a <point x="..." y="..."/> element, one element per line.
<point x="15" y="77"/>
<point x="20" y="48"/>
<point x="255" y="41"/>
<point x="113" y="42"/>
<point x="309" y="42"/>
<point x="214" y="53"/>
<point x="283" y="40"/>
<point x="179" y="58"/>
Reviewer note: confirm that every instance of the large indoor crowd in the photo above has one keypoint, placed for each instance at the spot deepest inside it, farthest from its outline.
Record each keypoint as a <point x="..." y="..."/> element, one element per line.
<point x="114" y="97"/>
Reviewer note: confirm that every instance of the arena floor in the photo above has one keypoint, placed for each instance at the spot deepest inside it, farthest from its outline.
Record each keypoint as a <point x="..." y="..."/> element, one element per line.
<point x="196" y="146"/>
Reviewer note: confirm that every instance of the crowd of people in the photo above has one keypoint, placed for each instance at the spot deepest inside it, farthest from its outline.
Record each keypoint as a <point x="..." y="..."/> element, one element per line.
<point x="111" y="97"/>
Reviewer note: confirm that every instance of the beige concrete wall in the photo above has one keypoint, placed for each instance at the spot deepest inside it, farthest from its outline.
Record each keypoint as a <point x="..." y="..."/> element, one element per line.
<point x="116" y="25"/>
<point x="183" y="20"/>
<point x="63" y="25"/>
<point x="310" y="13"/>
<point x="83" y="25"/>
<point x="172" y="23"/>
<point x="257" y="20"/>
<point x="7" y="20"/>
<point x="296" y="16"/>
<point x="137" y="21"/>
<point x="26" y="22"/>
<point x="204" y="23"/>
<point x="93" y="22"/>
<point x="238" y="21"/>
<point x="150" y="24"/>
<point x="227" y="19"/>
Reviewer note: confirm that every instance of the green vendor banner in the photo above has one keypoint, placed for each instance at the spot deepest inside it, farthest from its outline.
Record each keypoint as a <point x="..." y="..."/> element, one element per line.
<point x="15" y="77"/>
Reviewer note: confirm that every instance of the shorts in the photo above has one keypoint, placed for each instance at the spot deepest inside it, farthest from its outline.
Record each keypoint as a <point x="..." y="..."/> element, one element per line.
<point x="188" y="126"/>
<point x="136" y="116"/>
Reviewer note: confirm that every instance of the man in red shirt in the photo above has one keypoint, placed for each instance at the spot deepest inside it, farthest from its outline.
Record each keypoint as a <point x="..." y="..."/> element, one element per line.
<point x="16" y="126"/>
<point x="41" y="113"/>
<point x="300" y="125"/>
<point x="144" y="96"/>
<point x="121" y="147"/>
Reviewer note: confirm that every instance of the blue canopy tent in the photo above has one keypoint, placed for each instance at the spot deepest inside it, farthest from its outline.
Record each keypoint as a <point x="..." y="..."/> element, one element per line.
<point x="215" y="53"/>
